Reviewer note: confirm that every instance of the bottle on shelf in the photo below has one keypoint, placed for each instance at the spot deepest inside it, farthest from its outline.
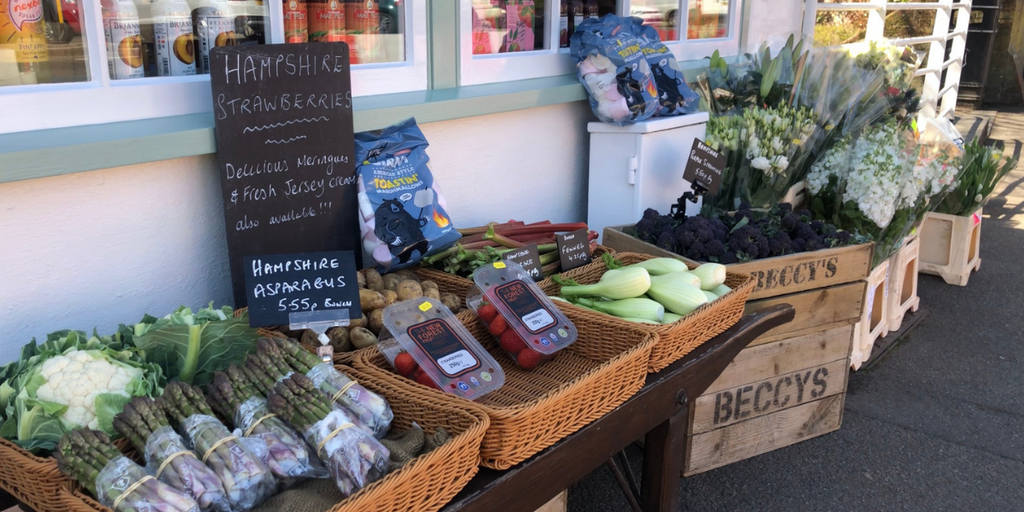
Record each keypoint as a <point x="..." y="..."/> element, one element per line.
<point x="213" y="22"/>
<point x="23" y="41"/>
<point x="563" y="25"/>
<point x="123" y="39"/>
<point x="296" y="22"/>
<point x="175" y="40"/>
<point x="326" y="20"/>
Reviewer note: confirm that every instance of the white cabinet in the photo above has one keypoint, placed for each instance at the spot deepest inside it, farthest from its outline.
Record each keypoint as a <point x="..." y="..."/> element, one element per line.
<point x="639" y="166"/>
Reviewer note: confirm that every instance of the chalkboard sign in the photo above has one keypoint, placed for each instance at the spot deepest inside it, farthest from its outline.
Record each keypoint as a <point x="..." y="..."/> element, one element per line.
<point x="573" y="249"/>
<point x="704" y="167"/>
<point x="277" y="286"/>
<point x="529" y="258"/>
<point x="283" y="115"/>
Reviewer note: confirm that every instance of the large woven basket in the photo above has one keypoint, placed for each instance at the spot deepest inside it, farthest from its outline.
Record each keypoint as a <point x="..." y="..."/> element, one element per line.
<point x="535" y="409"/>
<point x="35" y="481"/>
<point x="677" y="339"/>
<point x="425" y="484"/>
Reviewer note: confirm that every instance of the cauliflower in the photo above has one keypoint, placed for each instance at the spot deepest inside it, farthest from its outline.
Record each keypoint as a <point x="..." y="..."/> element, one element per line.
<point x="77" y="378"/>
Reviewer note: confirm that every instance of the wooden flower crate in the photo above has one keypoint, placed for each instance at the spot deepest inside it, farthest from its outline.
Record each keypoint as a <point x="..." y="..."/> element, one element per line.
<point x="827" y="289"/>
<point x="903" y="267"/>
<point x="950" y="246"/>
<point x="874" y="319"/>
<point x="771" y="396"/>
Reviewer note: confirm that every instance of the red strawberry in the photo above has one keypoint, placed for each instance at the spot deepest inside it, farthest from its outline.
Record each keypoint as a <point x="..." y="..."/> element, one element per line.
<point x="529" y="359"/>
<point x="487" y="312"/>
<point x="424" y="379"/>
<point x="512" y="342"/>
<point x="497" y="326"/>
<point x="405" y="364"/>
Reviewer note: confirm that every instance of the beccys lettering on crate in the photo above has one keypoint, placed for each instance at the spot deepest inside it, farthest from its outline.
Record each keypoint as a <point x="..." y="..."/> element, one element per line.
<point x="795" y="274"/>
<point x="738" y="404"/>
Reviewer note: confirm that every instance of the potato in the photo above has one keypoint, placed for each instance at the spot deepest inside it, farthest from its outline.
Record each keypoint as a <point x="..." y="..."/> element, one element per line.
<point x="376" y="321"/>
<point x="362" y="338"/>
<point x="432" y="293"/>
<point x="408" y="290"/>
<point x="452" y="302"/>
<point x="361" y="279"/>
<point x="358" y="322"/>
<point x="370" y="300"/>
<point x="339" y="339"/>
<point x="309" y="338"/>
<point x="407" y="274"/>
<point x="373" y="280"/>
<point x="390" y="297"/>
<point x="428" y="285"/>
<point x="391" y="281"/>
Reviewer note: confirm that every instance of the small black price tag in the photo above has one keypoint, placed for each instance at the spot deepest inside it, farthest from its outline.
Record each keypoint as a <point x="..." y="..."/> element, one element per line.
<point x="704" y="167"/>
<point x="573" y="249"/>
<point x="278" y="285"/>
<point x="529" y="258"/>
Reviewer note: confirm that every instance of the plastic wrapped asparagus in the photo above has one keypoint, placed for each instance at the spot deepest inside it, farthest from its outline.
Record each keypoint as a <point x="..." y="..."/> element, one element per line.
<point x="247" y="480"/>
<point x="367" y="409"/>
<point x="167" y="456"/>
<point x="287" y="454"/>
<point x="89" y="457"/>
<point x="353" y="456"/>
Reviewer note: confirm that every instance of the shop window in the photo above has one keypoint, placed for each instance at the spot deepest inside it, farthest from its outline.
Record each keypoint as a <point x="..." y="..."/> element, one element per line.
<point x="692" y="29"/>
<point x="81" y="62"/>
<point x="505" y="40"/>
<point x="386" y="38"/>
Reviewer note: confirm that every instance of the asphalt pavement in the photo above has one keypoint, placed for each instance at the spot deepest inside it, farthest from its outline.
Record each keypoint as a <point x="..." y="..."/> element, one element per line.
<point x="937" y="424"/>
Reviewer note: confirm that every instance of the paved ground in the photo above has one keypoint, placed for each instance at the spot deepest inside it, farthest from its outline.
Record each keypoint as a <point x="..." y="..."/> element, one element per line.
<point x="936" y="425"/>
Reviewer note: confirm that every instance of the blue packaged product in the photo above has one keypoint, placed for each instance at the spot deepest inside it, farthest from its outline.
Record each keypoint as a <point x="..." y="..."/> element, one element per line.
<point x="611" y="65"/>
<point x="674" y="96"/>
<point x="402" y="210"/>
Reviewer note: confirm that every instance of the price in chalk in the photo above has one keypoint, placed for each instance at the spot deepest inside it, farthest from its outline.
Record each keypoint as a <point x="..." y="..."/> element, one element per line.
<point x="704" y="167"/>
<point x="573" y="249"/>
<point x="529" y="258"/>
<point x="278" y="286"/>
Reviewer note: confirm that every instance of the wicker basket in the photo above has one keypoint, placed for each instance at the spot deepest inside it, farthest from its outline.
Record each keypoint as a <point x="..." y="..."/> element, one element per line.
<point x="535" y="409"/>
<point x="677" y="339"/>
<point x="425" y="484"/>
<point x="35" y="481"/>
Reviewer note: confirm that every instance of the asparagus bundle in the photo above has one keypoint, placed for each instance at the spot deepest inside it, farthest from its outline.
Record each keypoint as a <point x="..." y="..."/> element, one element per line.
<point x="288" y="456"/>
<point x="246" y="479"/>
<point x="89" y="457"/>
<point x="145" y="425"/>
<point x="368" y="409"/>
<point x="353" y="456"/>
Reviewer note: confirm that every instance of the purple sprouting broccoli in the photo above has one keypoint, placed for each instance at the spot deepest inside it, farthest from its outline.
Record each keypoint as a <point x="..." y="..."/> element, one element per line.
<point x="647" y="229"/>
<point x="720" y="229"/>
<point x="799" y="245"/>
<point x="814" y="245"/>
<point x="684" y="238"/>
<point x="804" y="231"/>
<point x="715" y="249"/>
<point x="784" y="207"/>
<point x="730" y="257"/>
<point x="775" y="247"/>
<point x="700" y="227"/>
<point x="762" y="246"/>
<point x="697" y="252"/>
<point x="666" y="241"/>
<point x="790" y="221"/>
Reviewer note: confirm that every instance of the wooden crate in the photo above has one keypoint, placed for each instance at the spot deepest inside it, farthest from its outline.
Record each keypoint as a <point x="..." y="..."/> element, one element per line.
<point x="874" y="320"/>
<point x="950" y="246"/>
<point x="903" y="281"/>
<point x="817" y="310"/>
<point x="775" y="276"/>
<point x="771" y="396"/>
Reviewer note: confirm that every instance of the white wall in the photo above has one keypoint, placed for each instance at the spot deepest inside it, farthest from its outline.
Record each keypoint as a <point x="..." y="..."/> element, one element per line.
<point x="100" y="248"/>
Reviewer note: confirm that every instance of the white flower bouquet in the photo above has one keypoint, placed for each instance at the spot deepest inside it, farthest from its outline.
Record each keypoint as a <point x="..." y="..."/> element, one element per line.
<point x="882" y="183"/>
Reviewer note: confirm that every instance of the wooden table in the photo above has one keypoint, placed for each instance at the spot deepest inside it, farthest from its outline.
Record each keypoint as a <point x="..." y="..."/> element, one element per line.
<point x="658" y="412"/>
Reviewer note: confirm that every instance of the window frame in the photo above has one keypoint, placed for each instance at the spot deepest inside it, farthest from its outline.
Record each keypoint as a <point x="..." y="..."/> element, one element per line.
<point x="100" y="100"/>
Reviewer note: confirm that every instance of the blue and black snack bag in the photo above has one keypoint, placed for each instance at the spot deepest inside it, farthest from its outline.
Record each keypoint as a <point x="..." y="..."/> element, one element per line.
<point x="402" y="210"/>
<point x="611" y="65"/>
<point x="674" y="96"/>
